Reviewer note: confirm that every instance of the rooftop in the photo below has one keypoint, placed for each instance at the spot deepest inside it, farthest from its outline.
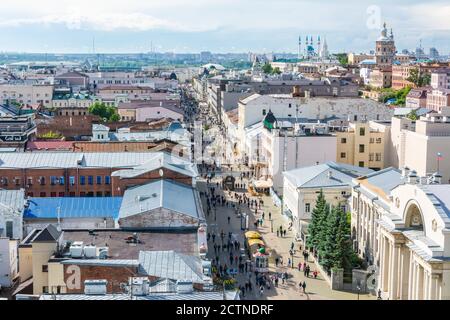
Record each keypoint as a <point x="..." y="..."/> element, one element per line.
<point x="93" y="160"/>
<point x="160" y="194"/>
<point x="319" y="176"/>
<point x="83" y="207"/>
<point x="121" y="248"/>
<point x="171" y="265"/>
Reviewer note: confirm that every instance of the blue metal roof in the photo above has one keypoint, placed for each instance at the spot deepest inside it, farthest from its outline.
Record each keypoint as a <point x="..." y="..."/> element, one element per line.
<point x="47" y="208"/>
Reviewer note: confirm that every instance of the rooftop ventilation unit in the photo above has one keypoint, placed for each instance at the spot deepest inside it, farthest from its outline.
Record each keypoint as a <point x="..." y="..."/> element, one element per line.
<point x="95" y="287"/>
<point x="76" y="249"/>
<point x="185" y="286"/>
<point x="90" y="252"/>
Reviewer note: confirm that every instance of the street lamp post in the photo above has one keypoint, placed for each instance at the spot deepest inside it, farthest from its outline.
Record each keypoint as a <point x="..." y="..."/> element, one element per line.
<point x="358" y="289"/>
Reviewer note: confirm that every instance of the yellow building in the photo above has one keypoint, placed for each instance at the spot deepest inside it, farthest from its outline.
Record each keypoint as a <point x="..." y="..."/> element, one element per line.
<point x="363" y="144"/>
<point x="34" y="254"/>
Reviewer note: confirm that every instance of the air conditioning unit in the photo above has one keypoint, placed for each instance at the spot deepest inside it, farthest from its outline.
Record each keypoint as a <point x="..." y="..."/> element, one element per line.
<point x="185" y="286"/>
<point x="139" y="286"/>
<point x="102" y="252"/>
<point x="95" y="287"/>
<point x="76" y="249"/>
<point x="90" y="252"/>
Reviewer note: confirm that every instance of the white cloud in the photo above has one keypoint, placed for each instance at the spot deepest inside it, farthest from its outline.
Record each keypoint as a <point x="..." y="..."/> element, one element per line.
<point x="103" y="22"/>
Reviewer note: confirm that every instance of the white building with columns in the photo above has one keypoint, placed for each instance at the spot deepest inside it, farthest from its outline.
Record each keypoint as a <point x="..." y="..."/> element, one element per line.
<point x="401" y="224"/>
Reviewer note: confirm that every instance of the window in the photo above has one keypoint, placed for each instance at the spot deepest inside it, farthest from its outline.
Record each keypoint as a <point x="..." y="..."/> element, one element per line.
<point x="82" y="180"/>
<point x="99" y="179"/>
<point x="61" y="194"/>
<point x="42" y="194"/>
<point x="343" y="140"/>
<point x="30" y="194"/>
<point x="107" y="180"/>
<point x="361" y="164"/>
<point x="9" y="229"/>
<point x="72" y="194"/>
<point x="62" y="180"/>
<point x="362" y="131"/>
<point x="82" y="194"/>
<point x="72" y="180"/>
<point x="343" y="155"/>
<point x="378" y="157"/>
<point x="264" y="112"/>
<point x="378" y="140"/>
<point x="53" y="194"/>
<point x="307" y="207"/>
<point x="5" y="181"/>
<point x="53" y="180"/>
<point x="107" y="194"/>
<point x="361" y="148"/>
<point x="44" y="268"/>
<point x="90" y="194"/>
<point x="91" y="180"/>
<point x="30" y="181"/>
<point x="44" y="289"/>
<point x="99" y="194"/>
<point x="371" y="156"/>
<point x="372" y="140"/>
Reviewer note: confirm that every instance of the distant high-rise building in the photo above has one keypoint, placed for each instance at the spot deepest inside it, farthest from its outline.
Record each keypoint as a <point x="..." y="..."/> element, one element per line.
<point x="434" y="54"/>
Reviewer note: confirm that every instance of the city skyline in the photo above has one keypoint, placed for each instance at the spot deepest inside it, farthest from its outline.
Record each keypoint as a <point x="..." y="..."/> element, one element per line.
<point x="258" y="26"/>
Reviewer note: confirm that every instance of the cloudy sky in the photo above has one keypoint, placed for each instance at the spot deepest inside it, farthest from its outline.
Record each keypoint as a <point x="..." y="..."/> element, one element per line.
<point x="67" y="26"/>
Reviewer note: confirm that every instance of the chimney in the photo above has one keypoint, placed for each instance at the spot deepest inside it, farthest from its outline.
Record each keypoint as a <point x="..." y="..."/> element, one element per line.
<point x="436" y="178"/>
<point x="412" y="177"/>
<point x="405" y="171"/>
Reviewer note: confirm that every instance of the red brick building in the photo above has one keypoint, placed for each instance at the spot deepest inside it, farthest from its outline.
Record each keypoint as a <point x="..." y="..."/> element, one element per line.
<point x="61" y="174"/>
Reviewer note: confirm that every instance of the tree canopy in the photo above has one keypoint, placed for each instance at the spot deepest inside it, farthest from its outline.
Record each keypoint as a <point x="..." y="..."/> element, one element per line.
<point x="329" y="235"/>
<point x="105" y="112"/>
<point x="418" y="78"/>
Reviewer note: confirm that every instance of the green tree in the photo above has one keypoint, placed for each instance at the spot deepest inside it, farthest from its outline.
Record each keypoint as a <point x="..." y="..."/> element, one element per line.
<point x="418" y="78"/>
<point x="316" y="219"/>
<point x="276" y="71"/>
<point x="267" y="68"/>
<point x="327" y="251"/>
<point x="343" y="255"/>
<point x="103" y="111"/>
<point x="342" y="58"/>
<point x="413" y="115"/>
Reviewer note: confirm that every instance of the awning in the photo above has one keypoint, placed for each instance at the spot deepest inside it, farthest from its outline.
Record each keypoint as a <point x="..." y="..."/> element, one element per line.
<point x="263" y="184"/>
<point x="252" y="242"/>
<point x="252" y="235"/>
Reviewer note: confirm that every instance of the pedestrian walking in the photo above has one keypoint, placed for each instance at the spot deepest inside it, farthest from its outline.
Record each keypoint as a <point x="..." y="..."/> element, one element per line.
<point x="261" y="290"/>
<point x="315" y="274"/>
<point x="270" y="216"/>
<point x="304" y="287"/>
<point x="278" y="233"/>
<point x="284" y="233"/>
<point x="229" y="219"/>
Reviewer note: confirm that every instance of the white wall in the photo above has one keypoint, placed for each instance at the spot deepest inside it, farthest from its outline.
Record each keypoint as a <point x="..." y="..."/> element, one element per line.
<point x="310" y="151"/>
<point x="8" y="261"/>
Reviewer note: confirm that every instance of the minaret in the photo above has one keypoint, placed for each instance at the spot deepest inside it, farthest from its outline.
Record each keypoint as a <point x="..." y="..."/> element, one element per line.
<point x="299" y="47"/>
<point x="318" y="43"/>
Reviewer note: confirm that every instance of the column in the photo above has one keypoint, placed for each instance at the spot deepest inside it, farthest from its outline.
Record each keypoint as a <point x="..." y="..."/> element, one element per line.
<point x="412" y="279"/>
<point x="382" y="258"/>
<point x="420" y="288"/>
<point x="386" y="263"/>
<point x="433" y="279"/>
<point x="426" y="283"/>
